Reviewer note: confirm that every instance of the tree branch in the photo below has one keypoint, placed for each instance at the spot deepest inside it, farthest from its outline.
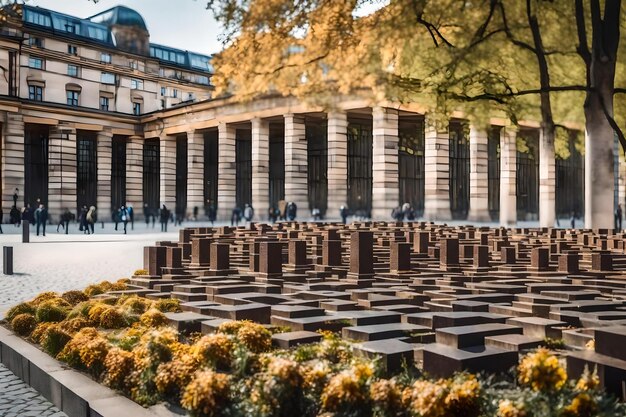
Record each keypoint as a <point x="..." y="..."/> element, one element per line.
<point x="613" y="123"/>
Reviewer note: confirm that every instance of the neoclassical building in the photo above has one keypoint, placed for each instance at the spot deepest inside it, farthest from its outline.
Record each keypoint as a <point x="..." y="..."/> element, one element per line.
<point x="93" y="113"/>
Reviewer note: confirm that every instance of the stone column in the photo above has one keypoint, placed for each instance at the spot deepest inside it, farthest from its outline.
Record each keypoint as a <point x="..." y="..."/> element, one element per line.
<point x="436" y="172"/>
<point x="134" y="174"/>
<point x="103" y="201"/>
<point x="547" y="182"/>
<point x="296" y="162"/>
<point x="227" y="178"/>
<point x="385" y="180"/>
<point x="12" y="161"/>
<point x="260" y="167"/>
<point x="195" y="172"/>
<point x="479" y="176"/>
<point x="337" y="163"/>
<point x="167" y="171"/>
<point x="508" y="176"/>
<point x="61" y="170"/>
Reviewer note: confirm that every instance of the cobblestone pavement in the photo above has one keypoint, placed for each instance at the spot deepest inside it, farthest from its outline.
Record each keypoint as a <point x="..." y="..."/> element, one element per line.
<point x="19" y="400"/>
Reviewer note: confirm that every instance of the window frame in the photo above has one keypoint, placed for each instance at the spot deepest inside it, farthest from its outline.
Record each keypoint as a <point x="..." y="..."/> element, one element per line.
<point x="136" y="108"/>
<point x="103" y="78"/>
<point x="77" y="70"/>
<point x="72" y="49"/>
<point x="35" y="92"/>
<point x="73" y="96"/>
<point x="32" y="59"/>
<point x="105" y="58"/>
<point x="136" y="84"/>
<point x="104" y="103"/>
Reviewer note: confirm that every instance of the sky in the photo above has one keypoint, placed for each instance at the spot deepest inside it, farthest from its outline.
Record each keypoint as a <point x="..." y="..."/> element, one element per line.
<point x="184" y="24"/>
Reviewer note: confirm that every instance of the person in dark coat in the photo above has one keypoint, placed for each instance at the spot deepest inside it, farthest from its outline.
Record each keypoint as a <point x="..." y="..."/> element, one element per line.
<point x="343" y="212"/>
<point x="272" y="214"/>
<point x="146" y="214"/>
<point x="82" y="220"/>
<point x="15" y="196"/>
<point x="28" y="214"/>
<point x="15" y="216"/>
<point x="41" y="218"/>
<point x="131" y="216"/>
<point x="64" y="221"/>
<point x="211" y="213"/>
<point x="164" y="217"/>
<point x="235" y="217"/>
<point x="292" y="211"/>
<point x="618" y="218"/>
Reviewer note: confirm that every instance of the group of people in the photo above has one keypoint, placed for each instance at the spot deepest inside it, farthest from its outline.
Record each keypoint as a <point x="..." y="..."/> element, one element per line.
<point x="403" y="212"/>
<point x="286" y="210"/>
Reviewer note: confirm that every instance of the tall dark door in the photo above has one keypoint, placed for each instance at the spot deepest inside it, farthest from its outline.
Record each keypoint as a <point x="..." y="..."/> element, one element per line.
<point x="493" y="172"/>
<point x="277" y="164"/>
<point x="181" y="175"/>
<point x="86" y="169"/>
<point x="570" y="181"/>
<point x="35" y="163"/>
<point x="360" y="167"/>
<point x="151" y="173"/>
<point x="527" y="184"/>
<point x="243" y="157"/>
<point x="459" y="170"/>
<point x="210" y="167"/>
<point x="317" y="156"/>
<point x="118" y="172"/>
<point x="411" y="162"/>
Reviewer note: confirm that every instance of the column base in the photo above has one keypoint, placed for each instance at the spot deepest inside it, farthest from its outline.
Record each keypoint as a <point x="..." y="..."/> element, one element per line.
<point x="479" y="216"/>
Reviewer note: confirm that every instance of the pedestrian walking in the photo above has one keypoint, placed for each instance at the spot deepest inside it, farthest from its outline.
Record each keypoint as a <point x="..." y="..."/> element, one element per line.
<point x="406" y="209"/>
<point x="15" y="216"/>
<point x="573" y="220"/>
<point x="248" y="213"/>
<point x="16" y="196"/>
<point x="28" y="214"/>
<point x="92" y="218"/>
<point x="146" y="214"/>
<point x="41" y="218"/>
<point x="123" y="215"/>
<point x="292" y="211"/>
<point x="618" y="218"/>
<point x="82" y="220"/>
<point x="195" y="213"/>
<point x="210" y="211"/>
<point x="272" y="214"/>
<point x="282" y="207"/>
<point x="343" y="212"/>
<point x="164" y="217"/>
<point x="64" y="221"/>
<point x="235" y="217"/>
<point x="131" y="215"/>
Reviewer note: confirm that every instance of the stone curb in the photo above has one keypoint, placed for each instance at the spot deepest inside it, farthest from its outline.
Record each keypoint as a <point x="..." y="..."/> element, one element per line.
<point x="70" y="391"/>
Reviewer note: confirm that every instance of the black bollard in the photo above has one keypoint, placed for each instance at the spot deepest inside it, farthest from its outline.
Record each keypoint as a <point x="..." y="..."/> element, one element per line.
<point x="25" y="231"/>
<point x="7" y="260"/>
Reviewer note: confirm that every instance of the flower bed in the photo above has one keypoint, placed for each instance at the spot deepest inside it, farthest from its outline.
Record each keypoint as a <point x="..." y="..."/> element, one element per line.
<point x="125" y="343"/>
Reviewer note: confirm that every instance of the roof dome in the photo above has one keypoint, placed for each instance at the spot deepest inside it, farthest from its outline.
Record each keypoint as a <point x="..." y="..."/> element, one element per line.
<point x="120" y="15"/>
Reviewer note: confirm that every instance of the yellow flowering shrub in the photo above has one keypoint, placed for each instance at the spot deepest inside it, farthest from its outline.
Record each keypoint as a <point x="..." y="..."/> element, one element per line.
<point x="541" y="371"/>
<point x="44" y="296"/>
<point x="230" y="327"/>
<point x="208" y="394"/>
<point x="94" y="289"/>
<point x="347" y="391"/>
<point x="96" y="310"/>
<point x="315" y="375"/>
<point x="136" y="305"/>
<point x="39" y="331"/>
<point x="278" y="390"/>
<point x="583" y="405"/>
<point x="24" y="324"/>
<point x="254" y="336"/>
<point x="215" y="350"/>
<point x="118" y="366"/>
<point x="588" y="380"/>
<point x="54" y="339"/>
<point x="386" y="397"/>
<point x="74" y="325"/>
<point x="172" y="377"/>
<point x="168" y="305"/>
<point x="74" y="297"/>
<point x="112" y="318"/>
<point x="140" y="272"/>
<point x="87" y="350"/>
<point x="508" y="408"/>
<point x="458" y="397"/>
<point x="153" y="318"/>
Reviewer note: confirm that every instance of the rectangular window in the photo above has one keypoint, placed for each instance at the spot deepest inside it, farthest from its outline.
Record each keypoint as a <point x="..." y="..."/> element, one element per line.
<point x="72" y="70"/>
<point x="107" y="78"/>
<point x="35" y="93"/>
<point x="133" y="64"/>
<point x="70" y="28"/>
<point x="35" y="41"/>
<point x="36" y="63"/>
<point x="72" y="49"/>
<point x="136" y="84"/>
<point x="163" y="91"/>
<point x="137" y="109"/>
<point x="202" y="79"/>
<point x="37" y="18"/>
<point x="162" y="104"/>
<point x="175" y="93"/>
<point x="189" y="96"/>
<point x="105" y="58"/>
<point x="104" y="103"/>
<point x="72" y="98"/>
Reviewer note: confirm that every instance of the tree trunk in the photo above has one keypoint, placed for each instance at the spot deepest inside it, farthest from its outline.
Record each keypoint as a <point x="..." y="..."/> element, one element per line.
<point x="599" y="139"/>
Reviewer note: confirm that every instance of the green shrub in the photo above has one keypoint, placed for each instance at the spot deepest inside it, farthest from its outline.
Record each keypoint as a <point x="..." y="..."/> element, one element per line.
<point x="50" y="311"/>
<point x="112" y="318"/>
<point x="168" y="305"/>
<point x="54" y="340"/>
<point x="24" y="324"/>
<point x="23" y="308"/>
